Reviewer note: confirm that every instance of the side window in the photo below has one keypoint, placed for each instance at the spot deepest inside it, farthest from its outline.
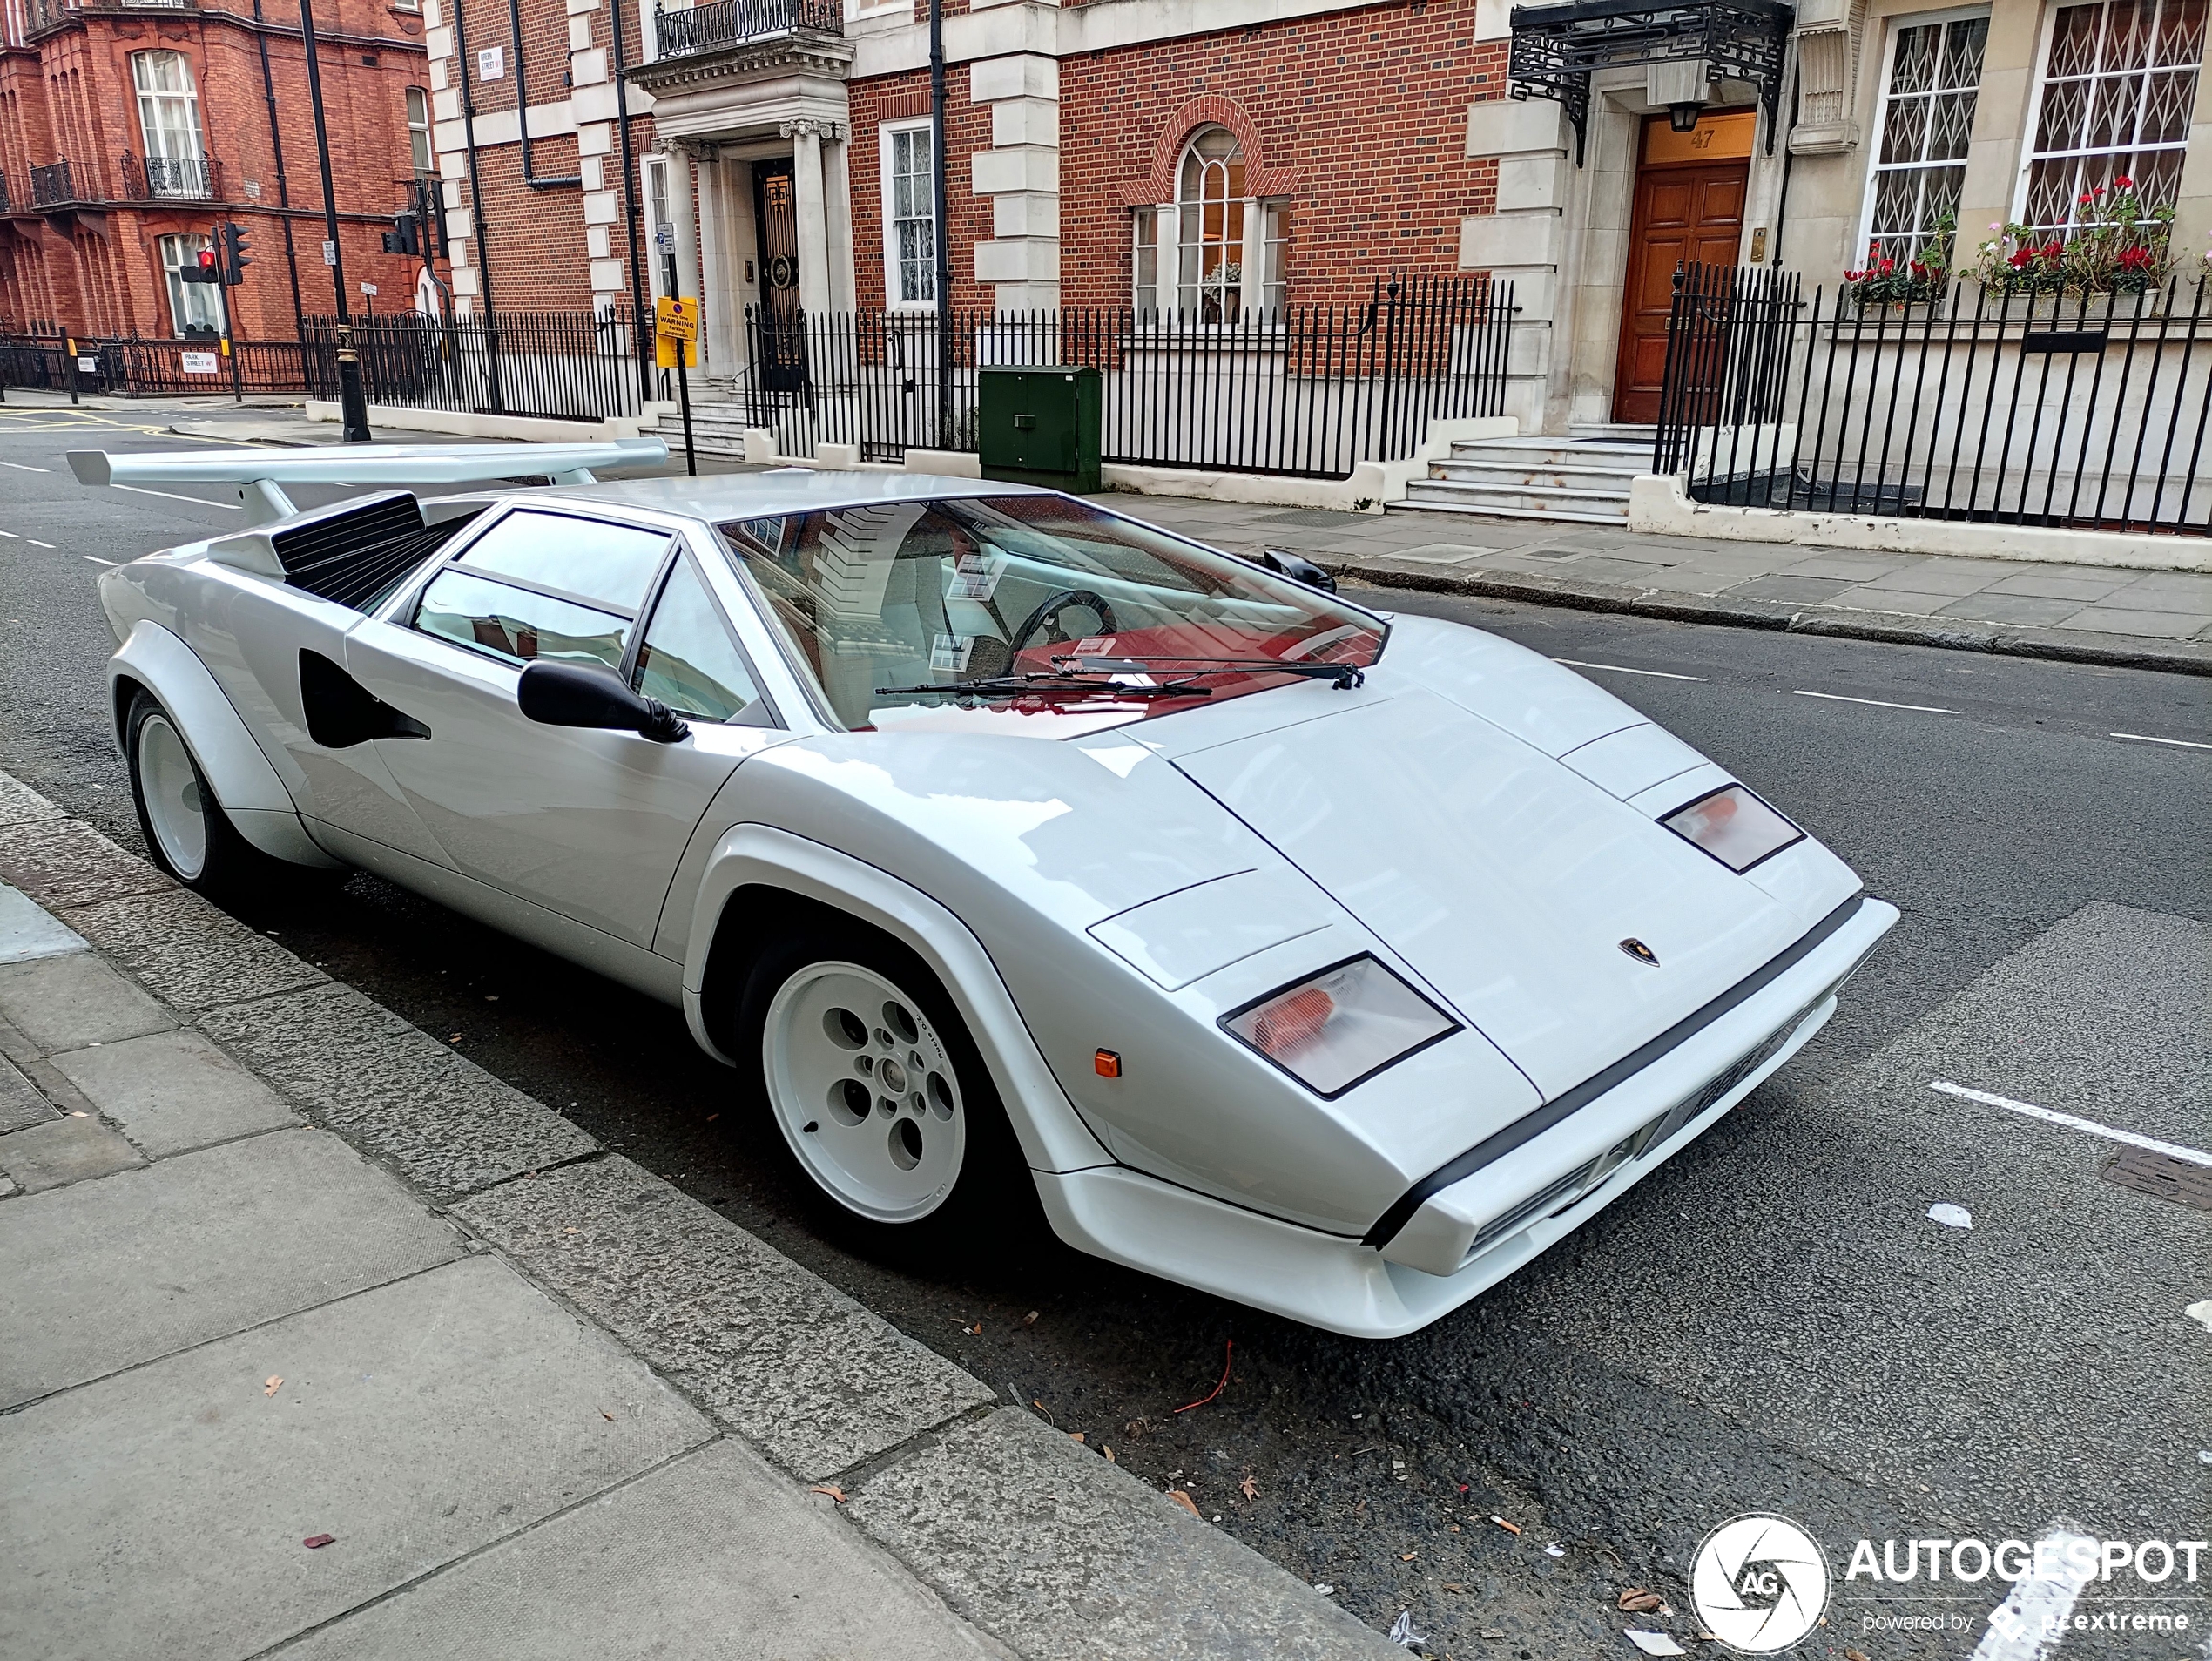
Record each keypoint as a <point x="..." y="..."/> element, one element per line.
<point x="609" y="564"/>
<point x="516" y="624"/>
<point x="689" y="661"/>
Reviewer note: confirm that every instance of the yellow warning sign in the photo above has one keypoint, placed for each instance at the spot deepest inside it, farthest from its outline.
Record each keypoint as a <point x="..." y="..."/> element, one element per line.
<point x="675" y="321"/>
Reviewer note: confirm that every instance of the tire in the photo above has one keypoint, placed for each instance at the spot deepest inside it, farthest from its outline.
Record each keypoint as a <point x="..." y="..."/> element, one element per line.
<point x="863" y="1066"/>
<point x="189" y="834"/>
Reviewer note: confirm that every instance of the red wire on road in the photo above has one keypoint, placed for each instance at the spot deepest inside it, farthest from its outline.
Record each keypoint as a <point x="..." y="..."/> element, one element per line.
<point x="1228" y="1349"/>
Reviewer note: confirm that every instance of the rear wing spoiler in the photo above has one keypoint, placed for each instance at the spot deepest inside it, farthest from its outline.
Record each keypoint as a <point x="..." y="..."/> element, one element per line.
<point x="260" y="475"/>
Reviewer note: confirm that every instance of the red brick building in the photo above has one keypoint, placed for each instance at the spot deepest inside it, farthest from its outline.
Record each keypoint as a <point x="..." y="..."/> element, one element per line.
<point x="130" y="128"/>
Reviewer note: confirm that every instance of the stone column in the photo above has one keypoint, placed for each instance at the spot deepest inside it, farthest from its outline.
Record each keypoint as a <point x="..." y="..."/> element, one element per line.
<point x="718" y="303"/>
<point x="682" y="218"/>
<point x="1523" y="242"/>
<point x="837" y="191"/>
<point x="810" y="211"/>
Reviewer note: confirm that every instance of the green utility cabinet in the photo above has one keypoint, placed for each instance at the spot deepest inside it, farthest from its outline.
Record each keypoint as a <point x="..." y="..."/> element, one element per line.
<point x="1039" y="426"/>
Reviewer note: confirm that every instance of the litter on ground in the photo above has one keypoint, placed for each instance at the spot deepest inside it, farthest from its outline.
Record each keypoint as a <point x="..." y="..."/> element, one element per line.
<point x="1654" y="1643"/>
<point x="1951" y="1216"/>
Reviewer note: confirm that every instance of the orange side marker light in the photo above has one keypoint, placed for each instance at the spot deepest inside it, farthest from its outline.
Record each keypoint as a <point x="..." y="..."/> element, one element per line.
<point x="1107" y="1063"/>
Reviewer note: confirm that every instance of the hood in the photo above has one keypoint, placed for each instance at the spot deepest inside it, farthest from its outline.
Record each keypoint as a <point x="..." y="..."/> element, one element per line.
<point x="1504" y="877"/>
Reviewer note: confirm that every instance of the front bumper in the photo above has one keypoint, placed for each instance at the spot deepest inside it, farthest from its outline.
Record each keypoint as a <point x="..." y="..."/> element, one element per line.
<point x="1454" y="1246"/>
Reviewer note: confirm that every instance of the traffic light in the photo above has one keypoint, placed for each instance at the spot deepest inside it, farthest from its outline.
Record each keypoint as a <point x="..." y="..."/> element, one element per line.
<point x="402" y="237"/>
<point x="429" y="204"/>
<point x="202" y="269"/>
<point x="235" y="260"/>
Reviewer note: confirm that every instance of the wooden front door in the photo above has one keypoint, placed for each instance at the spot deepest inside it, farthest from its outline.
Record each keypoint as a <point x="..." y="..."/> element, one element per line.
<point x="1689" y="206"/>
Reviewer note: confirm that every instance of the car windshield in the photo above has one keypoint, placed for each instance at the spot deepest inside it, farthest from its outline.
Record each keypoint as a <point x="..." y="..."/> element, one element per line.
<point x="1032" y="604"/>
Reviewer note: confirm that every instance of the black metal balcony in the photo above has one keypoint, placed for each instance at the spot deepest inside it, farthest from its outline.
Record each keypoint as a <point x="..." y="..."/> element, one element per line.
<point x="6" y="206"/>
<point x="56" y="184"/>
<point x="171" y="178"/>
<point x="718" y="25"/>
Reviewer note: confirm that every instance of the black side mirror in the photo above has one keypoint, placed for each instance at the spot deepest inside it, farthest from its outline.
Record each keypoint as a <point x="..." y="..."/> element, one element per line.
<point x="1297" y="568"/>
<point x="568" y="694"/>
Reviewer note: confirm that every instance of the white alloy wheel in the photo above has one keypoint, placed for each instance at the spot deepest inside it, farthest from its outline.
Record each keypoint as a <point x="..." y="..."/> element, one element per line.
<point x="865" y="1091"/>
<point x="176" y="801"/>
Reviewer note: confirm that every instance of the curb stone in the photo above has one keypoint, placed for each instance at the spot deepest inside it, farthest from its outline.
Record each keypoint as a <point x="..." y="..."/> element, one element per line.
<point x="2123" y="652"/>
<point x="1039" y="1543"/>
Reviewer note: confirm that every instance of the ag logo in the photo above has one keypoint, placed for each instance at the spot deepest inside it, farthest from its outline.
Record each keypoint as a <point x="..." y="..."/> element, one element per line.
<point x="1759" y="1583"/>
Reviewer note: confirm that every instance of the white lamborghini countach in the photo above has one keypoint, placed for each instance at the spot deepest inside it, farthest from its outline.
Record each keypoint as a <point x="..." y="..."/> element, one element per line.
<point x="1333" y="962"/>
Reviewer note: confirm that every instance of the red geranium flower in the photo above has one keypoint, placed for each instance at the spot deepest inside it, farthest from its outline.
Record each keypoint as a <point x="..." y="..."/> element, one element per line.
<point x="2123" y="183"/>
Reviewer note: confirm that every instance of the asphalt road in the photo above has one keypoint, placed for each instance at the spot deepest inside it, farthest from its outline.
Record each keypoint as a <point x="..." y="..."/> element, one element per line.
<point x="1770" y="1323"/>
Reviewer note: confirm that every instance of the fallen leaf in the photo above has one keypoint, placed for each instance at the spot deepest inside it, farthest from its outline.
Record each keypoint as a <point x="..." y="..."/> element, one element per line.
<point x="1183" y="1500"/>
<point x="1854" y="1655"/>
<point x="270" y="1388"/>
<point x="1249" y="1487"/>
<point x="1074" y="1436"/>
<point x="1407" y="1556"/>
<point x="976" y="1331"/>
<point x="1637" y="1601"/>
<point x="830" y="1488"/>
<point x="317" y="1542"/>
<point x="1455" y="1527"/>
<point x="608" y="1417"/>
<point x="1453" y="1586"/>
<point x="713" y="1116"/>
<point x="1108" y="1452"/>
<point x="1510" y="1527"/>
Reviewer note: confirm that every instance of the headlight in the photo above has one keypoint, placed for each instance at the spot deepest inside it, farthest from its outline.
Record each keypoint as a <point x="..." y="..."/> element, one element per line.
<point x="1333" y="1030"/>
<point x="1734" y="826"/>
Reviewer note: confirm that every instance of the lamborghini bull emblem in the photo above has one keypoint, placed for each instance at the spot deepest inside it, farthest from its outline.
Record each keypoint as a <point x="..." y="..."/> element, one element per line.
<point x="1640" y="952"/>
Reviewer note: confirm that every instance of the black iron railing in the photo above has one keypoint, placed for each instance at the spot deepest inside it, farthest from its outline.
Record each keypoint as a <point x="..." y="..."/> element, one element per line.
<point x="1308" y="391"/>
<point x="45" y="14"/>
<point x="2092" y="411"/>
<point x="150" y="178"/>
<point x="138" y="367"/>
<point x="717" y="23"/>
<point x="6" y="206"/>
<point x="55" y="184"/>
<point x="567" y="366"/>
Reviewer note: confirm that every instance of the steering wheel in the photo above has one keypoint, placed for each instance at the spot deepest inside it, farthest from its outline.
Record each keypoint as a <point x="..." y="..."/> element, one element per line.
<point x="1050" y="610"/>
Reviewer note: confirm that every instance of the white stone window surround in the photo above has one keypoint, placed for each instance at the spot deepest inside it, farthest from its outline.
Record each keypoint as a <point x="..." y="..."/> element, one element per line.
<point x="2097" y="164"/>
<point x="1898" y="244"/>
<point x="191" y="305"/>
<point x="895" y="295"/>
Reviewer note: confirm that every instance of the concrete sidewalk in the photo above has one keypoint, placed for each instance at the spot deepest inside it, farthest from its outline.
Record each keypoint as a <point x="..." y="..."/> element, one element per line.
<point x="315" y="1336"/>
<point x="2081" y="613"/>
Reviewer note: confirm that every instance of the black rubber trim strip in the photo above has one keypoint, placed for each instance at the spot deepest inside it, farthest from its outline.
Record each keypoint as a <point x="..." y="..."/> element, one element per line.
<point x="1500" y="1143"/>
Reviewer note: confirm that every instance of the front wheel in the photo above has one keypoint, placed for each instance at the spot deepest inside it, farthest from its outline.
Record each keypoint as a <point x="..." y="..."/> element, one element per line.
<point x="877" y="1089"/>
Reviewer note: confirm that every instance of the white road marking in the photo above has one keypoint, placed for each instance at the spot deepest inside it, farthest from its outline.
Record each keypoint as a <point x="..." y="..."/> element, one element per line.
<point x="1878" y="703"/>
<point x="2172" y="1151"/>
<point x="2030" y="1622"/>
<point x="98" y="561"/>
<point x="2145" y="738"/>
<point x="9" y="534"/>
<point x="26" y="467"/>
<point x="35" y="543"/>
<point x="201" y="502"/>
<point x="1623" y="669"/>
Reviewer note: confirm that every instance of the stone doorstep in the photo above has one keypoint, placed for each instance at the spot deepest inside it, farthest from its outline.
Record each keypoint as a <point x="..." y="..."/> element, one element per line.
<point x="729" y="1320"/>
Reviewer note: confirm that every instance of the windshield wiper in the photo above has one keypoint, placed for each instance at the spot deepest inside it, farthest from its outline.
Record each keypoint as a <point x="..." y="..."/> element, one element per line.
<point x="1346" y="676"/>
<point x="1060" y="682"/>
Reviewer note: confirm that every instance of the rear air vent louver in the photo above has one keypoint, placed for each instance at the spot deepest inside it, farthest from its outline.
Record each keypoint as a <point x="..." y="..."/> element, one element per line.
<point x="352" y="553"/>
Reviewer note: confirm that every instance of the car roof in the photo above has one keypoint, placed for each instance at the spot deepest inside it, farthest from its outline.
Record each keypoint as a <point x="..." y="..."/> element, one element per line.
<point x="721" y="497"/>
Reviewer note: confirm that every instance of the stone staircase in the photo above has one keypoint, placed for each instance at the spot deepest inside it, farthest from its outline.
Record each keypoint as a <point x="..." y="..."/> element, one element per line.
<point x="718" y="427"/>
<point x="1583" y="478"/>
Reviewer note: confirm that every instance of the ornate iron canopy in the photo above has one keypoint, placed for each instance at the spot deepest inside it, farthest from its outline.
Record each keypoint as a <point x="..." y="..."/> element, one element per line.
<point x="1556" y="48"/>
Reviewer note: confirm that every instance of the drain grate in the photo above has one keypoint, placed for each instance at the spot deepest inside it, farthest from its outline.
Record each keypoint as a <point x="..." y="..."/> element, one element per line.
<point x="2162" y="1177"/>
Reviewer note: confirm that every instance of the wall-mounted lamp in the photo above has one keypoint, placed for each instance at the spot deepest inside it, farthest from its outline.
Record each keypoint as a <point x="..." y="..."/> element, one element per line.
<point x="1682" y="85"/>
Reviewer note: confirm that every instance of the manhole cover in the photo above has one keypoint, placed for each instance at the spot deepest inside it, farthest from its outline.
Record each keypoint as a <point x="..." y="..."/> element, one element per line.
<point x="2163" y="1177"/>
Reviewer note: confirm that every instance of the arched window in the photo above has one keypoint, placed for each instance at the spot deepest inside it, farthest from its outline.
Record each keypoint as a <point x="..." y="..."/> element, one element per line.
<point x="169" y="122"/>
<point x="1214" y="255"/>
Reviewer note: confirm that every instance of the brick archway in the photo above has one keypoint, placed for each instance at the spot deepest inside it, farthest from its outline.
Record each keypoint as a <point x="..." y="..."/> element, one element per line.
<point x="1213" y="110"/>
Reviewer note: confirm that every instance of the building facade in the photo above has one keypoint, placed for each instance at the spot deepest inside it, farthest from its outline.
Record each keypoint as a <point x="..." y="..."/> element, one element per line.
<point x="129" y="129"/>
